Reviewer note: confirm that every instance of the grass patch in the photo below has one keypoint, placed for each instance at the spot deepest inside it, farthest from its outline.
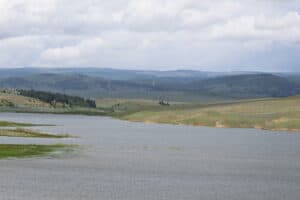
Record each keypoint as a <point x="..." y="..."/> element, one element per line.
<point x="28" y="133"/>
<point x="30" y="150"/>
<point x="13" y="124"/>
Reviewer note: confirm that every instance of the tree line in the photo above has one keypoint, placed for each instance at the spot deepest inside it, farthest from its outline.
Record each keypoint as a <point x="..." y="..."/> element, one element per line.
<point x="53" y="98"/>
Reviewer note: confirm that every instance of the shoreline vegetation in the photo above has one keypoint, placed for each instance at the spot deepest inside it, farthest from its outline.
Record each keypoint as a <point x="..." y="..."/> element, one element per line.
<point x="32" y="150"/>
<point x="14" y="124"/>
<point x="280" y="114"/>
<point x="12" y="129"/>
<point x="20" y="132"/>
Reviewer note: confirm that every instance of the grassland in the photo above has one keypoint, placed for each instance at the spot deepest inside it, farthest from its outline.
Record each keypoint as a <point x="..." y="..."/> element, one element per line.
<point x="19" y="132"/>
<point x="120" y="108"/>
<point x="13" y="124"/>
<point x="271" y="114"/>
<point x="24" y="151"/>
<point x="12" y="99"/>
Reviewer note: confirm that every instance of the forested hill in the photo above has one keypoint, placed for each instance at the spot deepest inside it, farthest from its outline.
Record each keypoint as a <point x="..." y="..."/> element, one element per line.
<point x="247" y="86"/>
<point x="176" y="86"/>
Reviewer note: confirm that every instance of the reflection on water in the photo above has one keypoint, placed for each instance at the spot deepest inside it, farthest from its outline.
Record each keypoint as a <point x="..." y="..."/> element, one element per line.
<point x="123" y="160"/>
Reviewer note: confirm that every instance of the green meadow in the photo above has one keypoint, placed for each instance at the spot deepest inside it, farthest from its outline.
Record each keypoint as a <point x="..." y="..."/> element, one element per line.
<point x="31" y="150"/>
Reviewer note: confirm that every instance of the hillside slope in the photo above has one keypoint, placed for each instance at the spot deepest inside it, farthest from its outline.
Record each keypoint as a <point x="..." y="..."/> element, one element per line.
<point x="271" y="114"/>
<point x="11" y="99"/>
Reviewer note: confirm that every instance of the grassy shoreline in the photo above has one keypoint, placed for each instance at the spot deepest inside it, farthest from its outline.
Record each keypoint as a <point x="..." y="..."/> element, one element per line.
<point x="19" y="132"/>
<point x="14" y="124"/>
<point x="31" y="150"/>
<point x="279" y="114"/>
<point x="282" y="114"/>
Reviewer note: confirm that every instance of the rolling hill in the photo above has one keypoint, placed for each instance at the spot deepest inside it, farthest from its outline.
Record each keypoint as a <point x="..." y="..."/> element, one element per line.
<point x="247" y="86"/>
<point x="180" y="85"/>
<point x="271" y="114"/>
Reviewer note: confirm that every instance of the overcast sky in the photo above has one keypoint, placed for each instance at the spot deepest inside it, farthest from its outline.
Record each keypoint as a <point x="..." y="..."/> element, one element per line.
<point x="261" y="35"/>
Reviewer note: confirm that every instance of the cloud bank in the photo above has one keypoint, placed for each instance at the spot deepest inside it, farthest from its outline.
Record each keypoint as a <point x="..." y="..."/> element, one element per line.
<point x="151" y="34"/>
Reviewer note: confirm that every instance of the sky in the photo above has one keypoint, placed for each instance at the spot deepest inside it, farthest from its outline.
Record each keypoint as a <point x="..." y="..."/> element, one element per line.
<point x="211" y="35"/>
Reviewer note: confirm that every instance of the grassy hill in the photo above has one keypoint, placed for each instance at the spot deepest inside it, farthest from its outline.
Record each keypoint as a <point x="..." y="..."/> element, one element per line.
<point x="271" y="114"/>
<point x="38" y="102"/>
<point x="11" y="99"/>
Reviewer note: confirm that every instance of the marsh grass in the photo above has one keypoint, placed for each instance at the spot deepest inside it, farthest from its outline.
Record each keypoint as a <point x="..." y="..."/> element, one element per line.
<point x="13" y="124"/>
<point x="32" y="150"/>
<point x="19" y="132"/>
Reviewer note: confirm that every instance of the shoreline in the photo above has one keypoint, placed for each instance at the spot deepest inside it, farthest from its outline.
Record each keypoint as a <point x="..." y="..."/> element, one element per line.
<point x="147" y="121"/>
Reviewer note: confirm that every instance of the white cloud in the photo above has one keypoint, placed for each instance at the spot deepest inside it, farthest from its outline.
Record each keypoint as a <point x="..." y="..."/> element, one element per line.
<point x="281" y="28"/>
<point x="60" y="54"/>
<point x="148" y="33"/>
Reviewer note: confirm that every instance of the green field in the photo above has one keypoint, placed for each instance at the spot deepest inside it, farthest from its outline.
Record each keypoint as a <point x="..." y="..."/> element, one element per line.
<point x="24" y="151"/>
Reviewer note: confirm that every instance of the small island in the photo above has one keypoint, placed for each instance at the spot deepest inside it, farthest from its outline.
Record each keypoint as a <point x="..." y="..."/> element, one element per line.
<point x="28" y="150"/>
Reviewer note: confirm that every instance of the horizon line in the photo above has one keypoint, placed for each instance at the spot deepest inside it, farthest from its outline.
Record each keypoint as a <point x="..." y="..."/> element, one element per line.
<point x="145" y="69"/>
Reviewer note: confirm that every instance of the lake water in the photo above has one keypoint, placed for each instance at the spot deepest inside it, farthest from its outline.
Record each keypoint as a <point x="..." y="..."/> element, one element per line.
<point x="136" y="161"/>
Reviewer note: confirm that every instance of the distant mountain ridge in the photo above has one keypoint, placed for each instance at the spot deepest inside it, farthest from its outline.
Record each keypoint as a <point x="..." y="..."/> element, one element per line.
<point x="115" y="74"/>
<point x="248" y="86"/>
<point x="178" y="85"/>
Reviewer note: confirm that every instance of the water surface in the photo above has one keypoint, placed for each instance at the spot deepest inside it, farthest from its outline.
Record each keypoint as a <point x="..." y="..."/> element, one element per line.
<point x="124" y="160"/>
